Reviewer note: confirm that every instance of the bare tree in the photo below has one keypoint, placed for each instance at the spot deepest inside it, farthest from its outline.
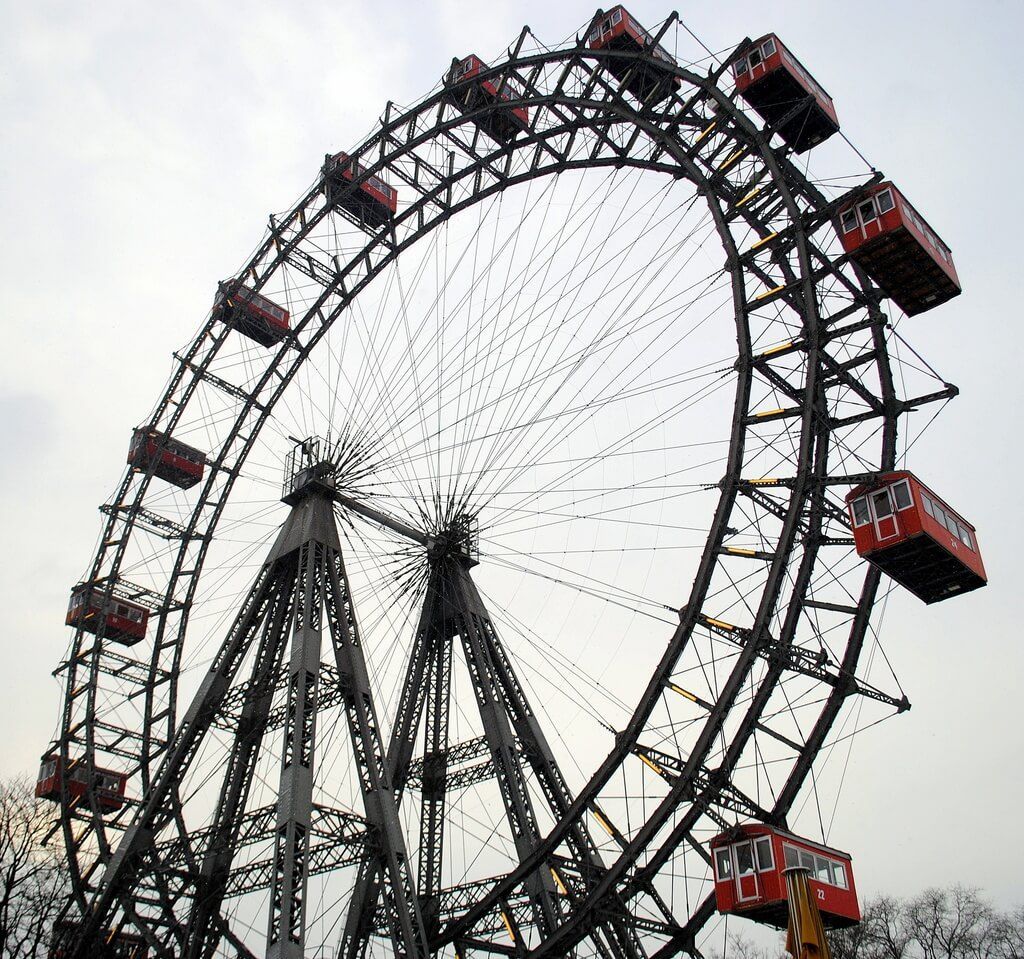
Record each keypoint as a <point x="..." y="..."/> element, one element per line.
<point x="33" y="880"/>
<point x="957" y="923"/>
<point x="953" y="923"/>
<point x="739" y="946"/>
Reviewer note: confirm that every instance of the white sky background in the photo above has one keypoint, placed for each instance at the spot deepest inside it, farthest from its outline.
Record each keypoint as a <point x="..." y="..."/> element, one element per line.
<point x="145" y="145"/>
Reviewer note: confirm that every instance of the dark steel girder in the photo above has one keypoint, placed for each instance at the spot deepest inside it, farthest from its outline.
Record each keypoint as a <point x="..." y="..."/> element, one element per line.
<point x="237" y="460"/>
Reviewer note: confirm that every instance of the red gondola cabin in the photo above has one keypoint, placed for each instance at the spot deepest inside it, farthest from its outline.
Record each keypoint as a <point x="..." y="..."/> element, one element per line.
<point x="251" y="313"/>
<point x="749" y="864"/>
<point x="903" y="528"/>
<point x="373" y="201"/>
<point x="109" y="945"/>
<point x="886" y="236"/>
<point x="106" y="784"/>
<point x="170" y="459"/>
<point x="469" y="93"/>
<point x="781" y="90"/>
<point x="122" y="621"/>
<point x="648" y="80"/>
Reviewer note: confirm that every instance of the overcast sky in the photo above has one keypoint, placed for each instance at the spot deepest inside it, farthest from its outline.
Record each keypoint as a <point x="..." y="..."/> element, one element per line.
<point x="145" y="145"/>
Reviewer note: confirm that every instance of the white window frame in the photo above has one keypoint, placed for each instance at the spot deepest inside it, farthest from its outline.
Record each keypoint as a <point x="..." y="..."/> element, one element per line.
<point x="869" y="202"/>
<point x="863" y="500"/>
<point x="723" y="853"/>
<point x="886" y="194"/>
<point x="768" y="48"/>
<point x="910" y="496"/>
<point x="739" y="876"/>
<point x="839" y="872"/>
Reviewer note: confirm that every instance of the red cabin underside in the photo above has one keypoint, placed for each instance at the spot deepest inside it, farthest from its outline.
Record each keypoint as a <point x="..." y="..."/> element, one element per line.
<point x="777" y="914"/>
<point x="789" y="110"/>
<point x="926" y="569"/>
<point x="501" y="122"/>
<point x="648" y="82"/>
<point x="905" y="270"/>
<point x="356" y="200"/>
<point x="756" y="889"/>
<point x="235" y="312"/>
<point x="50" y="789"/>
<point x="177" y="470"/>
<point x="120" y="629"/>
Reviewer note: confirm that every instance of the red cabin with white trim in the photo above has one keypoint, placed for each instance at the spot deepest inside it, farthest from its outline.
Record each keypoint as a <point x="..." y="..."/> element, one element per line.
<point x="121" y="620"/>
<point x="106" y="785"/>
<point x="749" y="864"/>
<point x="251" y="313"/>
<point x="903" y="528"/>
<point x="784" y="94"/>
<point x="468" y="93"/>
<point x="170" y="459"/>
<point x="646" y="80"/>
<point x="372" y="201"/>
<point x="886" y="236"/>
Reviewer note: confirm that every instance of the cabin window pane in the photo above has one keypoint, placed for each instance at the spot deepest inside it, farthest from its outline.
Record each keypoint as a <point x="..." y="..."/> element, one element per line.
<point x="867" y="211"/>
<point x="768" y="47"/>
<point x="939" y="514"/>
<point x="901" y="493"/>
<point x="951" y="525"/>
<point x="763" y="848"/>
<point x="723" y="864"/>
<point x="822" y="870"/>
<point x="885" y="203"/>
<point x="740" y="67"/>
<point x="881" y="503"/>
<point x="839" y="871"/>
<point x="755" y="58"/>
<point x="617" y="17"/>
<point x="927" y="504"/>
<point x="791" y="855"/>
<point x="744" y="858"/>
<point x="849" y="220"/>
<point x="965" y="537"/>
<point x="807" y="861"/>
<point x="860" y="511"/>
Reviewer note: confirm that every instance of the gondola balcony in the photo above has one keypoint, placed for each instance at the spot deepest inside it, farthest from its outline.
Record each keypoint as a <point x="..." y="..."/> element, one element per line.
<point x="750" y="861"/>
<point x="894" y="245"/>
<point x="120" y="620"/>
<point x="903" y="528"/>
<point x="371" y="200"/>
<point x="784" y="94"/>
<point x="251" y="313"/>
<point x="106" y="785"/>
<point x="649" y="78"/>
<point x="469" y="93"/>
<point x="170" y="459"/>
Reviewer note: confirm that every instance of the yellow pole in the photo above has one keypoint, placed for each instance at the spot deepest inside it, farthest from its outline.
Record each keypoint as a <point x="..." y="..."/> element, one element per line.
<point x="805" y="933"/>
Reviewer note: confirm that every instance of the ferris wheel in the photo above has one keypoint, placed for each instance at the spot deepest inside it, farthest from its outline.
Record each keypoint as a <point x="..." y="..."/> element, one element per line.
<point x="489" y="552"/>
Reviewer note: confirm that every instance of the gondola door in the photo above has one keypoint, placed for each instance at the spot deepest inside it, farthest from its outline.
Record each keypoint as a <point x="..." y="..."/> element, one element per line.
<point x="746" y="876"/>
<point x="883" y="515"/>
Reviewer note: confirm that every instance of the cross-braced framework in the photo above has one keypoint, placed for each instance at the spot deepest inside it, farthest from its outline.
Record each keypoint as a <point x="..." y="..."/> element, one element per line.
<point x="547" y="610"/>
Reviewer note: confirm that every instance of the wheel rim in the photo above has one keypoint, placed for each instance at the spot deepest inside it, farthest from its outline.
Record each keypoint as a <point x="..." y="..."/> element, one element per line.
<point x="592" y="125"/>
